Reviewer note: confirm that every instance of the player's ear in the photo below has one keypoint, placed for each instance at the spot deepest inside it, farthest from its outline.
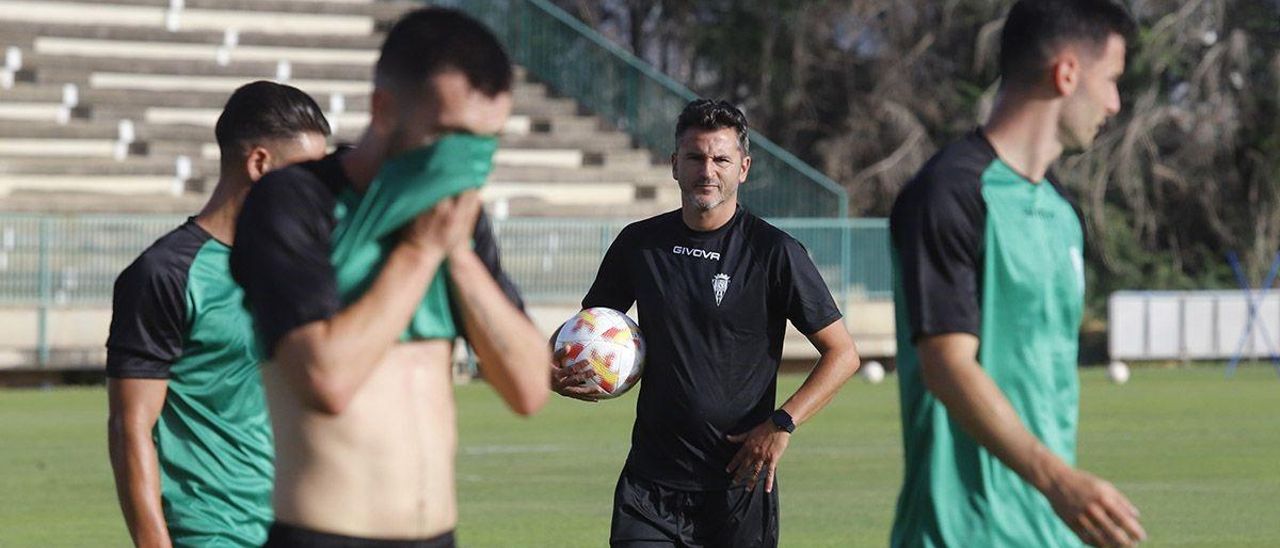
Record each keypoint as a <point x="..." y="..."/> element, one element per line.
<point x="1066" y="72"/>
<point x="746" y="166"/>
<point x="257" y="162"/>
<point x="382" y="111"/>
<point x="673" y="167"/>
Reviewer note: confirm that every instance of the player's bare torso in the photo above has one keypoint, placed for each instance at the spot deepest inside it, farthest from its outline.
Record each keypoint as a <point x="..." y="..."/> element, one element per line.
<point x="383" y="468"/>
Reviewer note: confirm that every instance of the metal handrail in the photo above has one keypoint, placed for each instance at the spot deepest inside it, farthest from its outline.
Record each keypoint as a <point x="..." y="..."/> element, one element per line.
<point x="578" y="62"/>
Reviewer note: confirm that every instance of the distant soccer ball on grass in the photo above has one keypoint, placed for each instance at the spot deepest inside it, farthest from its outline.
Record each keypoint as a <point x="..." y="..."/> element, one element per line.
<point x="1118" y="372"/>
<point x="606" y="341"/>
<point x="872" y="372"/>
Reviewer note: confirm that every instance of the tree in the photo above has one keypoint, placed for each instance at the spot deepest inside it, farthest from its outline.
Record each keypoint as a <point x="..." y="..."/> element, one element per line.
<point x="866" y="90"/>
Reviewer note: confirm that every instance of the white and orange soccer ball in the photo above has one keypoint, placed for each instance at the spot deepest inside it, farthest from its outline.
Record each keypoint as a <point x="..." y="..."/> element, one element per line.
<point x="609" y="343"/>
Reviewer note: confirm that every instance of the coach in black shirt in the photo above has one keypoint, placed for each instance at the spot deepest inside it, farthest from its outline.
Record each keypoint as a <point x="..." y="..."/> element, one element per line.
<point x="715" y="287"/>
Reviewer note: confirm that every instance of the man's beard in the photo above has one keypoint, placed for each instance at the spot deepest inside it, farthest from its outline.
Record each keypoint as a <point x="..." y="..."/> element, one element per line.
<point x="707" y="203"/>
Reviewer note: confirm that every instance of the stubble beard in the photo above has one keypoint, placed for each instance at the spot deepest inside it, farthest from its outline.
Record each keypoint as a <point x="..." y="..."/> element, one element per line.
<point x="707" y="204"/>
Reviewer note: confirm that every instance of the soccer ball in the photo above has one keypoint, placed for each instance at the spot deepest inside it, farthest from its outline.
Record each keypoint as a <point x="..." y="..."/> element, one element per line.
<point x="609" y="343"/>
<point x="872" y="372"/>
<point x="1118" y="372"/>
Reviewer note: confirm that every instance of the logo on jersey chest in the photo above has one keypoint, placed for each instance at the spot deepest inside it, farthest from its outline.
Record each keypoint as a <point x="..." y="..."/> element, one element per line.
<point x="698" y="253"/>
<point x="720" y="284"/>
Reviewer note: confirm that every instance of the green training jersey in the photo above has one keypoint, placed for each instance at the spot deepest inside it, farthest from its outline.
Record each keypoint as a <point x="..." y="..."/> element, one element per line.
<point x="177" y="315"/>
<point x="310" y="244"/>
<point x="980" y="249"/>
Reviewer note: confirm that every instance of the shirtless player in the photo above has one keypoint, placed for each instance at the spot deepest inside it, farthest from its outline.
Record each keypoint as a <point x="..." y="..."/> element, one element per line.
<point x="363" y="419"/>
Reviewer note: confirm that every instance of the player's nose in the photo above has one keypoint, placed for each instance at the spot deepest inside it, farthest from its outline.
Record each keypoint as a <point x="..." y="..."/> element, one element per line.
<point x="708" y="169"/>
<point x="1113" y="103"/>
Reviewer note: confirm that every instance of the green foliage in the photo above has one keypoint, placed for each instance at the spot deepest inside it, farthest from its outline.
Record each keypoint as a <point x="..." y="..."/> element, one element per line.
<point x="868" y="90"/>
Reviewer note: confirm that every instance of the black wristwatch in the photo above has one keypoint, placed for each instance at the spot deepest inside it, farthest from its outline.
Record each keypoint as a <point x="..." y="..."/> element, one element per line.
<point x="782" y="420"/>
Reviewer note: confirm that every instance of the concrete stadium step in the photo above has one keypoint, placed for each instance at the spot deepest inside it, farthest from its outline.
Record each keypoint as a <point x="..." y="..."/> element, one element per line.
<point x="530" y="99"/>
<point x="384" y="9"/>
<point x="161" y="201"/>
<point x="551" y="158"/>
<point x="159" y="16"/>
<point x="651" y="177"/>
<point x="89" y="47"/>
<point x="70" y="148"/>
<point x="183" y="83"/>
<point x="519" y="134"/>
<point x="345" y="125"/>
<point x="598" y="195"/>
<point x="27" y="201"/>
<point x="23" y="33"/>
<point x="143" y="167"/>
<point x="557" y="197"/>
<point x="546" y="115"/>
<point x="554" y="186"/>
<point x="601" y="141"/>
<point x="81" y="129"/>
<point x="157" y="185"/>
<point x="34" y="112"/>
<point x="36" y="92"/>
<point x="532" y="207"/>
<point x="204" y="168"/>
<point x="506" y="156"/>
<point x="73" y="68"/>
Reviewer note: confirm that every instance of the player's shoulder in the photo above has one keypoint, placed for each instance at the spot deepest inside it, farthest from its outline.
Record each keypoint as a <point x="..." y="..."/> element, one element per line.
<point x="956" y="168"/>
<point x="657" y="224"/>
<point x="166" y="262"/>
<point x="950" y="181"/>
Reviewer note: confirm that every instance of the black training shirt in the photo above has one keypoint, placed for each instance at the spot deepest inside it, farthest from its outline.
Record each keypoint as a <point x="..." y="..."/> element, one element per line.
<point x="713" y="308"/>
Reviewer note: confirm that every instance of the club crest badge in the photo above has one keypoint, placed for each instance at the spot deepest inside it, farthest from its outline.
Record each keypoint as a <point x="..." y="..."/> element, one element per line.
<point x="720" y="284"/>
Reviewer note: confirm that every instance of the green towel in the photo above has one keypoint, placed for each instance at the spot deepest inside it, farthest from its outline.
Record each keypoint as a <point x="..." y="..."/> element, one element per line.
<point x="368" y="224"/>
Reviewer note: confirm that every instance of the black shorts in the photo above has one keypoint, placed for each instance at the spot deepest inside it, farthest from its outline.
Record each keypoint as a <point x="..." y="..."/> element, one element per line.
<point x="283" y="535"/>
<point x="646" y="514"/>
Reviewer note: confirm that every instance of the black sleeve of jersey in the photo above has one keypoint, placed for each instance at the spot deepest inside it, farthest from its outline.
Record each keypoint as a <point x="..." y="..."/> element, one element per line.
<point x="809" y="304"/>
<point x="486" y="247"/>
<point x="937" y="231"/>
<point x="281" y="254"/>
<point x="612" y="287"/>
<point x="148" y="319"/>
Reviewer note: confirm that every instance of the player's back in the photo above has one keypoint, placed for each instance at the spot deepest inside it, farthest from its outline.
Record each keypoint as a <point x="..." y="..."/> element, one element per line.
<point x="384" y="466"/>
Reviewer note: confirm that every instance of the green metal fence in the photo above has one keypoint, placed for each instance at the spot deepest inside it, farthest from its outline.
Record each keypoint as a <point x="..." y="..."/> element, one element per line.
<point x="53" y="262"/>
<point x="576" y="61"/>
<point x="72" y="260"/>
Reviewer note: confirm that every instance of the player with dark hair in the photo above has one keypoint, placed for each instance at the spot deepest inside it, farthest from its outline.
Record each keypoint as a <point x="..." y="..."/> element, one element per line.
<point x="359" y="273"/>
<point x="990" y="291"/>
<point x="715" y="286"/>
<point x="188" y="432"/>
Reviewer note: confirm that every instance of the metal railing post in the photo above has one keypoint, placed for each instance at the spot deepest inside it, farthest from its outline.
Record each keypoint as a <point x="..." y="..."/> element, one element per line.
<point x="846" y="264"/>
<point x="45" y="295"/>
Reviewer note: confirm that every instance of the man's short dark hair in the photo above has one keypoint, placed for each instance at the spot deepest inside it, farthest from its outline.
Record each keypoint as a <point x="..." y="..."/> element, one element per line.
<point x="1035" y="29"/>
<point x="264" y="110"/>
<point x="429" y="41"/>
<point x="709" y="115"/>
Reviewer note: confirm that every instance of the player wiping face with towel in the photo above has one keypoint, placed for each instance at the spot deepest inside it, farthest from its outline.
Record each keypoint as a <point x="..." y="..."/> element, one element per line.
<point x="363" y="267"/>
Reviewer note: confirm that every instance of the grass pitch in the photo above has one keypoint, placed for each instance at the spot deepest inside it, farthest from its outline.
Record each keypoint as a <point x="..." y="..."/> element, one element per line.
<point x="1200" y="455"/>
